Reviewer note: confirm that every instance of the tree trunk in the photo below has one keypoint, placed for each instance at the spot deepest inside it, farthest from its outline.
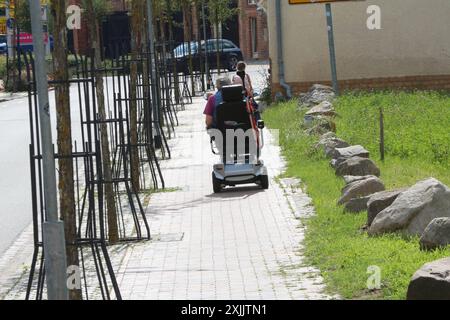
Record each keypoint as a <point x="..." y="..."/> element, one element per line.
<point x="136" y="23"/>
<point x="174" y="67"/>
<point x="217" y="40"/>
<point x="64" y="139"/>
<point x="199" y="44"/>
<point x="187" y="18"/>
<point x="94" y="39"/>
<point x="146" y="79"/>
<point x="15" y="69"/>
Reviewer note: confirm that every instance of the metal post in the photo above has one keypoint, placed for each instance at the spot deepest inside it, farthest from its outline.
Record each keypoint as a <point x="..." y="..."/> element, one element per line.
<point x="153" y="76"/>
<point x="8" y="28"/>
<point x="382" y="148"/>
<point x="53" y="228"/>
<point x="205" y="36"/>
<point x="45" y="13"/>
<point x="332" y="48"/>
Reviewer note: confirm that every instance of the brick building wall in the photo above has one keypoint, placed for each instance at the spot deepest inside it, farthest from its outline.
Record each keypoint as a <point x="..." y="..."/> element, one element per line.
<point x="80" y="37"/>
<point x="253" y="31"/>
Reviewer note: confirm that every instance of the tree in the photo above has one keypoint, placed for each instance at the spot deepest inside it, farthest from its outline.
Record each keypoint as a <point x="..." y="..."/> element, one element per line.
<point x="23" y="19"/>
<point x="186" y="6"/>
<point x="219" y="12"/>
<point x="64" y="138"/>
<point x="137" y="21"/>
<point x="96" y="10"/>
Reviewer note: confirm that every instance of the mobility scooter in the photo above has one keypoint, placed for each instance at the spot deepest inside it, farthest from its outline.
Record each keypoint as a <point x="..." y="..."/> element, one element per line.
<point x="238" y="139"/>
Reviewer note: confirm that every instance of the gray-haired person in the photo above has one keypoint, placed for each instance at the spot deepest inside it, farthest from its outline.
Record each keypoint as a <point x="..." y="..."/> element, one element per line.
<point x="214" y="101"/>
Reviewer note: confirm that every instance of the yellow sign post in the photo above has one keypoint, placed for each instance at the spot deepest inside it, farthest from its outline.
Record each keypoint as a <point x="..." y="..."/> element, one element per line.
<point x="3" y="25"/>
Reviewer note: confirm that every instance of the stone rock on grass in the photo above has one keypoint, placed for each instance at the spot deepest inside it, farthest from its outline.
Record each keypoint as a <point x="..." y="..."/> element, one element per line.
<point x="327" y="136"/>
<point x="356" y="205"/>
<point x="414" y="209"/>
<point x="431" y="282"/>
<point x="380" y="201"/>
<point x="436" y="235"/>
<point x="361" y="188"/>
<point x="356" y="166"/>
<point x="330" y="144"/>
<point x="349" y="152"/>
<point x="350" y="179"/>
<point x="321" y="87"/>
<point x="325" y="108"/>
<point x="335" y="163"/>
<point x="322" y="125"/>
<point x="316" y="95"/>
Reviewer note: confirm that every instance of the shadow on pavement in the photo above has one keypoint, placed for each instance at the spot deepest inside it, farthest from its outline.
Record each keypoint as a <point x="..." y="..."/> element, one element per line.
<point x="237" y="192"/>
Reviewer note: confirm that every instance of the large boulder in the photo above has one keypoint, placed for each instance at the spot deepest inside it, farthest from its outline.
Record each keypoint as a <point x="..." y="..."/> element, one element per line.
<point x="350" y="179"/>
<point x="431" y="282"/>
<point x="414" y="209"/>
<point x="349" y="152"/>
<point x="356" y="166"/>
<point x="361" y="188"/>
<point x="356" y="205"/>
<point x="436" y="235"/>
<point x="324" y="108"/>
<point x="380" y="201"/>
<point x="316" y="95"/>
<point x="334" y="163"/>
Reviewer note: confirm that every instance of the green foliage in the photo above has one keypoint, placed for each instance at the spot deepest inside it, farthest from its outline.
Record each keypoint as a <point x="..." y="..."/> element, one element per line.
<point x="2" y="66"/>
<point x="220" y="11"/>
<point x="335" y="242"/>
<point x="416" y="124"/>
<point x="23" y="18"/>
<point x="266" y="93"/>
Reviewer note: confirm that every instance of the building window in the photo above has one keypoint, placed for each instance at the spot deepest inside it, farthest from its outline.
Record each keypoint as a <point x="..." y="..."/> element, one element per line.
<point x="251" y="2"/>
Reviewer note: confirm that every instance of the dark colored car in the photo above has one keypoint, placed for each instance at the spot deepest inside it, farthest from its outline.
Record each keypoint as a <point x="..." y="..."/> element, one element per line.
<point x="230" y="55"/>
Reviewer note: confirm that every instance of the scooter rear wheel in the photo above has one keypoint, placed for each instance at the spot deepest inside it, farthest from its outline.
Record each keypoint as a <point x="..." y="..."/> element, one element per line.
<point x="217" y="186"/>
<point x="265" y="182"/>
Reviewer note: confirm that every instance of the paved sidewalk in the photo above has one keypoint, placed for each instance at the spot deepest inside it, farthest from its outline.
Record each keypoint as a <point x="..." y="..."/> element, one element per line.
<point x="244" y="243"/>
<point x="241" y="244"/>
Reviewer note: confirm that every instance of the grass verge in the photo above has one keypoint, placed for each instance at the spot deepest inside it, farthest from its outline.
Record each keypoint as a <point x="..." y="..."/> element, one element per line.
<point x="417" y="146"/>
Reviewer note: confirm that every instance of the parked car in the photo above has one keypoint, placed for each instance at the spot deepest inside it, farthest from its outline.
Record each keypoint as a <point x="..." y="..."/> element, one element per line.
<point x="230" y="55"/>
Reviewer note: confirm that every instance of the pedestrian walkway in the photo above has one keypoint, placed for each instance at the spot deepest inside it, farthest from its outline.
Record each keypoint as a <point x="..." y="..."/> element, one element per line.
<point x="244" y="243"/>
<point x="241" y="244"/>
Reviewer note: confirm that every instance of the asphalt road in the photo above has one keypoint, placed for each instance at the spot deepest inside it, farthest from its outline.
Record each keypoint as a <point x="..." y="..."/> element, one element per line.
<point x="15" y="181"/>
<point x="15" y="192"/>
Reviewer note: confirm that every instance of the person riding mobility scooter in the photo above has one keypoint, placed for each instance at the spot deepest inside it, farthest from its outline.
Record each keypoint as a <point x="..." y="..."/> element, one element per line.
<point x="238" y="139"/>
